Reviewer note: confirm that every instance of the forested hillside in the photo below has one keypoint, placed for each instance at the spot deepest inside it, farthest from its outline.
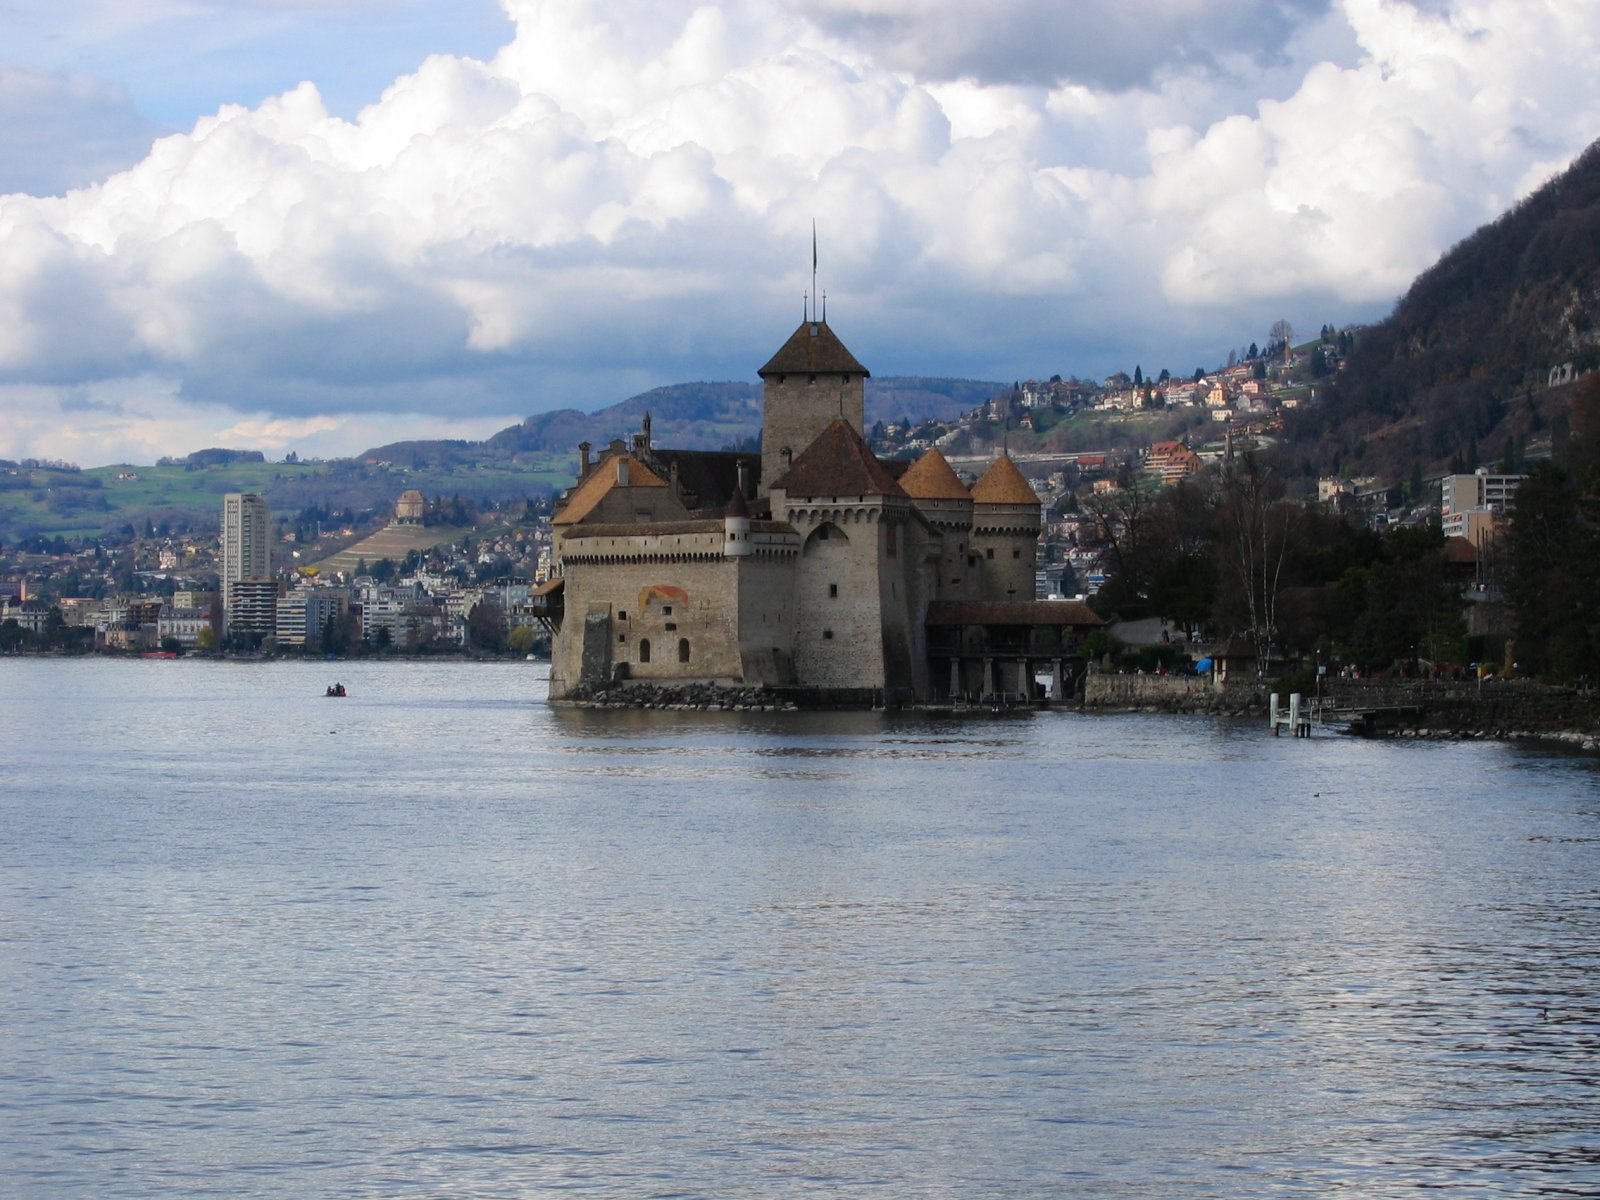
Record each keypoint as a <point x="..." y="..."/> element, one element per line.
<point x="1457" y="373"/>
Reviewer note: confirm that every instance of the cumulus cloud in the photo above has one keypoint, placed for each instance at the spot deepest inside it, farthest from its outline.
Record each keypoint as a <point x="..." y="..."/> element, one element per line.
<point x="622" y="196"/>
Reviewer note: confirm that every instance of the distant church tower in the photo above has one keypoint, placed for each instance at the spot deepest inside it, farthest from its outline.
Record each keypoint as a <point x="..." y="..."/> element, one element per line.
<point x="808" y="384"/>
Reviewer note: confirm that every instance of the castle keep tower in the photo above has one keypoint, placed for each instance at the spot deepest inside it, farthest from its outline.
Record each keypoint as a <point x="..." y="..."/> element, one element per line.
<point x="810" y="383"/>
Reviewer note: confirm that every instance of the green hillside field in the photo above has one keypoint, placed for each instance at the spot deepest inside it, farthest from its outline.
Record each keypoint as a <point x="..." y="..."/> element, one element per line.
<point x="101" y="500"/>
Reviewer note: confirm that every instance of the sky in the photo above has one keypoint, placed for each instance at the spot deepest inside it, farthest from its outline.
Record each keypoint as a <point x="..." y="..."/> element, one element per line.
<point x="324" y="225"/>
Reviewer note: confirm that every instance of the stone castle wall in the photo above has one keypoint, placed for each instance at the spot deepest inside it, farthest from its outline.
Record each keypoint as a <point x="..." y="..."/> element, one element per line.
<point x="1170" y="693"/>
<point x="838" y="626"/>
<point x="646" y="590"/>
<point x="765" y="604"/>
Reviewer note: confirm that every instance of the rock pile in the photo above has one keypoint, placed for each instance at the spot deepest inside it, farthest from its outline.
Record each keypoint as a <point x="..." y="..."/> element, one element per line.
<point x="689" y="696"/>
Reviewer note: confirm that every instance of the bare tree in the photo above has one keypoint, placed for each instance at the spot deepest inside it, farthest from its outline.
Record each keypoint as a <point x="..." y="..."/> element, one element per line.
<point x="1126" y="522"/>
<point x="1256" y="520"/>
<point x="1282" y="333"/>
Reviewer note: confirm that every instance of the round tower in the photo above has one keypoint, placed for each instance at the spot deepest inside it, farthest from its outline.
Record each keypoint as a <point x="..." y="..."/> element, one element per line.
<point x="1006" y="519"/>
<point x="944" y="501"/>
<point x="736" y="527"/>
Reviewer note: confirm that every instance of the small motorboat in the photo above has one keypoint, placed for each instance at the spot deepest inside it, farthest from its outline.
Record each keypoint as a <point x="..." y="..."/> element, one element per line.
<point x="335" y="689"/>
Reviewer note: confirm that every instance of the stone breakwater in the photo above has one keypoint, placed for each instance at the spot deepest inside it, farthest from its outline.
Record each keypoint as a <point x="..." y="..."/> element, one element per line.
<point x="1517" y="710"/>
<point x="1512" y="713"/>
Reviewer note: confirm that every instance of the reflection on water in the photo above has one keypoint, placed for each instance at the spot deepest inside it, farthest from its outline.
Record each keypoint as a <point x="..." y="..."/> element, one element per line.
<point x="440" y="939"/>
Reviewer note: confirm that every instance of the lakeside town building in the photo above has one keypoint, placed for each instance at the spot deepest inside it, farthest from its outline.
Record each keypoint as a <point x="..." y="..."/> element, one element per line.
<point x="1471" y="505"/>
<point x="812" y="566"/>
<point x="249" y="592"/>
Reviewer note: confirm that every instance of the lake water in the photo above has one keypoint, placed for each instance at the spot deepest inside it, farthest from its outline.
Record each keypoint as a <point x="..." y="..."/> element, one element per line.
<point x="439" y="939"/>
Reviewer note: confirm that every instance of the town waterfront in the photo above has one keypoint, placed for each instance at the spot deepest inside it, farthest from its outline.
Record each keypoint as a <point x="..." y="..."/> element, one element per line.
<point x="440" y="939"/>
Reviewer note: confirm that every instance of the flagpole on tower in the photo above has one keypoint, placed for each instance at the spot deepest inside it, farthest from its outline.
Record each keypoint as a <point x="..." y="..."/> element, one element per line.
<point x="813" y="260"/>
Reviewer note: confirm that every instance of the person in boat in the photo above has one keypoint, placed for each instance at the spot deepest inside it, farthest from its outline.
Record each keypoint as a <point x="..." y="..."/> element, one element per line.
<point x="336" y="689"/>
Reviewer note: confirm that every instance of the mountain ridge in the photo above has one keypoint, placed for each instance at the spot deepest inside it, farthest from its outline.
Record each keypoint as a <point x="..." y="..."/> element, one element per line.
<point x="689" y="416"/>
<point x="1459" y="371"/>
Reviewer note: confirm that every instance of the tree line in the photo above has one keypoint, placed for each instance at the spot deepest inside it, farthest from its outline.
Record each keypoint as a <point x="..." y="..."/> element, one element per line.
<point x="1232" y="552"/>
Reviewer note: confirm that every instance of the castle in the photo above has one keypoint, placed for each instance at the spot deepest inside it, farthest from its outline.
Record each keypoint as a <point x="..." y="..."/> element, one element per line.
<point x="813" y="566"/>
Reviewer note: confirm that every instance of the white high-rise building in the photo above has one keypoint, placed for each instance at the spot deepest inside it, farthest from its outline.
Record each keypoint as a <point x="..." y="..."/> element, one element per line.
<point x="1469" y="505"/>
<point x="246" y="553"/>
<point x="246" y="548"/>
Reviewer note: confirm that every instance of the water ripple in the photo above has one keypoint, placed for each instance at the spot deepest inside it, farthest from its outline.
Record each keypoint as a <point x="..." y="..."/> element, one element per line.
<point x="447" y="941"/>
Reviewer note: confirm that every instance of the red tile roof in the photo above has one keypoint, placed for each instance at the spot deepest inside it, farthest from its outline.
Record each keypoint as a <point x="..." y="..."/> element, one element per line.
<point x="601" y="479"/>
<point x="932" y="478"/>
<point x="1002" y="483"/>
<point x="838" y="463"/>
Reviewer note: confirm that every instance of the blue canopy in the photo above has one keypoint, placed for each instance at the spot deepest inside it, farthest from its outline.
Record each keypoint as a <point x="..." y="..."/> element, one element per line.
<point x="1202" y="666"/>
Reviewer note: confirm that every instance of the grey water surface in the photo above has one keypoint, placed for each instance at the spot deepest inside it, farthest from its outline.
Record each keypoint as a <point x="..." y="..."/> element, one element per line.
<point x="439" y="939"/>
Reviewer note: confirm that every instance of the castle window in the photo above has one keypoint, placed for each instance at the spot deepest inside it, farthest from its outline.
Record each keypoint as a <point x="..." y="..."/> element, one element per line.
<point x="833" y="589"/>
<point x="828" y="634"/>
<point x="671" y="625"/>
<point x="822" y="534"/>
<point x="991" y="552"/>
<point x="1016" y="554"/>
<point x="622" y="616"/>
<point x="622" y="637"/>
<point x="666" y="609"/>
<point x="813" y="379"/>
<point x="644" y="650"/>
<point x="683" y="650"/>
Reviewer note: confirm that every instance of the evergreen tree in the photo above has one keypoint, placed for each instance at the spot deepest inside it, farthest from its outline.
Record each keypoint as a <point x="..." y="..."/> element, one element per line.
<point x="1554" y="547"/>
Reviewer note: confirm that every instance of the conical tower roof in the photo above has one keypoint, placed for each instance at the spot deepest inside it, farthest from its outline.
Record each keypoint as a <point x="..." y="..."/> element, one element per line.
<point x="1002" y="483"/>
<point x="838" y="463"/>
<point x="813" y="349"/>
<point x="931" y="477"/>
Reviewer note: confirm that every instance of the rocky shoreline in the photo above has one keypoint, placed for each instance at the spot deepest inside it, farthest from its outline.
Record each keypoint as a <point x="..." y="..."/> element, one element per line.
<point x="1514" y="712"/>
